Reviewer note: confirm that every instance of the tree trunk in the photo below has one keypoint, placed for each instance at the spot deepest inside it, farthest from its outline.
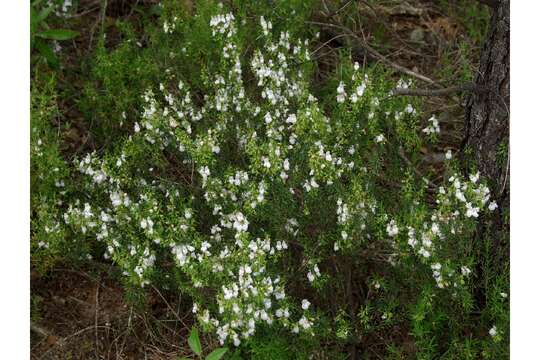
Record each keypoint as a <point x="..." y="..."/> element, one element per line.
<point x="488" y="111"/>
<point x="487" y="119"/>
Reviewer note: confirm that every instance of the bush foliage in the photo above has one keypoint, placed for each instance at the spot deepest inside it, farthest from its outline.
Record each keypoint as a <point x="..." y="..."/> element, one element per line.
<point x="291" y="213"/>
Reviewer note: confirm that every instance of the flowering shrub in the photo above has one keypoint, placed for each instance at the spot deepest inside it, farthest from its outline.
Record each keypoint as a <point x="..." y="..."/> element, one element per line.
<point x="240" y="187"/>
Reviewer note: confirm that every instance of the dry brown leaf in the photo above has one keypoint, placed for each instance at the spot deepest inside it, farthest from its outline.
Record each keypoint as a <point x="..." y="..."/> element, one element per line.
<point x="443" y="26"/>
<point x="51" y="340"/>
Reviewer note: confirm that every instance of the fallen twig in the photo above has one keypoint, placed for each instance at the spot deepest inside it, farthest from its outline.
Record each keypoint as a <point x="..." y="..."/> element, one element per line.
<point x="434" y="92"/>
<point x="375" y="54"/>
<point x="341" y="6"/>
<point x="63" y="341"/>
<point x="326" y="43"/>
<point x="169" y="306"/>
<point x="96" y="322"/>
<point x="38" y="329"/>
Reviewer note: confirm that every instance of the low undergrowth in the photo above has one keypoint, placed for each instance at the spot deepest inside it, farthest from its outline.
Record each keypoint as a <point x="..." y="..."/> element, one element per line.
<point x="291" y="215"/>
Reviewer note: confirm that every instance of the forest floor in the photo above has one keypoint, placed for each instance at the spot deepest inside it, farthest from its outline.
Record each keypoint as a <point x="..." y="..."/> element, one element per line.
<point x="82" y="313"/>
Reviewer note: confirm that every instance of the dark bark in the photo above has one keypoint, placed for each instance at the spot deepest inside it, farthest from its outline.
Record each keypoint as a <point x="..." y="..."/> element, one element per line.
<point x="491" y="3"/>
<point x="488" y="112"/>
<point x="486" y="142"/>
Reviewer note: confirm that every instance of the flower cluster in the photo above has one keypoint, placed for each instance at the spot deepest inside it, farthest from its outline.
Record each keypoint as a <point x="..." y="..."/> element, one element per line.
<point x="433" y="127"/>
<point x="62" y="8"/>
<point x="457" y="202"/>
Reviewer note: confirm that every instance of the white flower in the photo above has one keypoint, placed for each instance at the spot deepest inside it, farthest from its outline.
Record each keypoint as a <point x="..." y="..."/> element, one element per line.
<point x="448" y="155"/>
<point x="328" y="156"/>
<point x="465" y="271"/>
<point x="291" y="119"/>
<point x="286" y="313"/>
<point x="341" y="95"/>
<point x="205" y="173"/>
<point x="402" y="84"/>
<point x="147" y="223"/>
<point x="360" y="90"/>
<point x="266" y="26"/>
<point x="433" y="127"/>
<point x="474" y="178"/>
<point x="492" y="206"/>
<point x="504" y="295"/>
<point x="435" y="228"/>
<point x="460" y="196"/>
<point x="205" y="246"/>
<point x="105" y="217"/>
<point x="424" y="252"/>
<point x="280" y="295"/>
<point x="493" y="331"/>
<point x="316" y="269"/>
<point x="305" y="304"/>
<point x="392" y="229"/>
<point x="471" y="210"/>
<point x="267" y="118"/>
<point x="286" y="165"/>
<point x="266" y="162"/>
<point x="240" y="222"/>
<point x="304" y="322"/>
<point x="87" y="212"/>
<point x="66" y="5"/>
<point x="115" y="199"/>
<point x="99" y="177"/>
<point x="379" y="138"/>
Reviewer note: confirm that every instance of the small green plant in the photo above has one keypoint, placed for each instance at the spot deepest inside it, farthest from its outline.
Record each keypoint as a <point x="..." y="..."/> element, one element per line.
<point x="194" y="343"/>
<point x="35" y="307"/>
<point x="42" y="35"/>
